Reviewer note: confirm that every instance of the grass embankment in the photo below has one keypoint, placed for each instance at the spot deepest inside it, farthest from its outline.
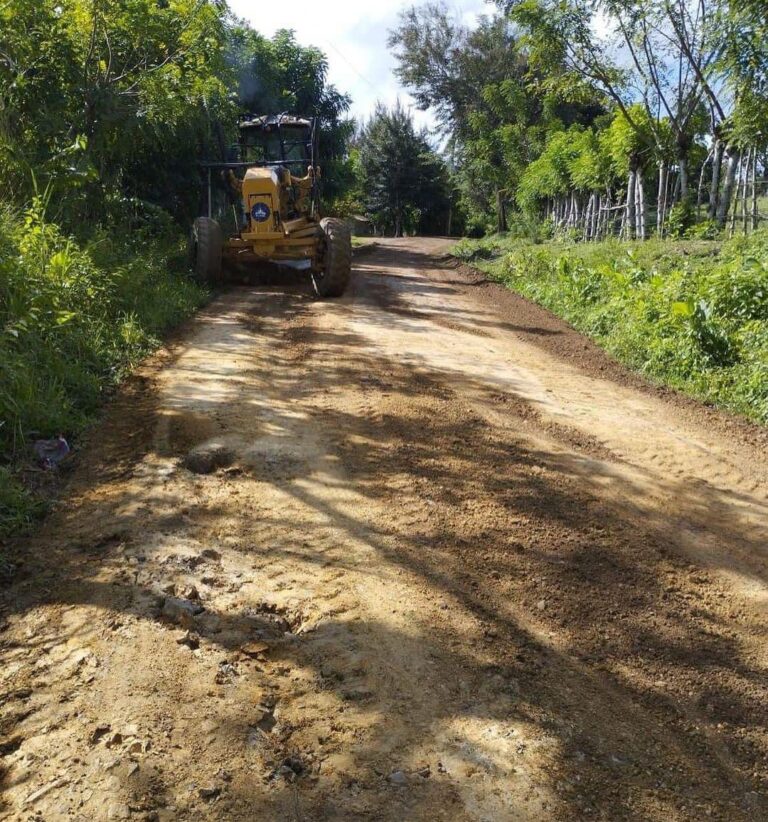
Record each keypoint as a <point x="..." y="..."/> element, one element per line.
<point x="689" y="314"/>
<point x="74" y="318"/>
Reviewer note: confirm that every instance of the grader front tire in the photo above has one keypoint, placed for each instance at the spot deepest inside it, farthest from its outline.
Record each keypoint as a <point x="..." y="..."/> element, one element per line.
<point x="208" y="243"/>
<point x="337" y="268"/>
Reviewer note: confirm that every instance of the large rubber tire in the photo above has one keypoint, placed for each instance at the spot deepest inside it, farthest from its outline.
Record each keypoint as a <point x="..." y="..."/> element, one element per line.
<point x="207" y="245"/>
<point x="337" y="260"/>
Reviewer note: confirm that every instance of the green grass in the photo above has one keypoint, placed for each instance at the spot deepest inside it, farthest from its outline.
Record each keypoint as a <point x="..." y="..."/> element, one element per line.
<point x="692" y="314"/>
<point x="74" y="319"/>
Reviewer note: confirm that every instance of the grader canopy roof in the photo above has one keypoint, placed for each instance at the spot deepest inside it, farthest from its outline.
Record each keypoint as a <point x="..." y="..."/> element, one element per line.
<point x="281" y="138"/>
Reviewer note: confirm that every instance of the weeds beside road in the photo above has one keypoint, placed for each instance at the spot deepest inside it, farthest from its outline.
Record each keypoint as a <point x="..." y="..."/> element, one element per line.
<point x="690" y="314"/>
<point x="74" y="318"/>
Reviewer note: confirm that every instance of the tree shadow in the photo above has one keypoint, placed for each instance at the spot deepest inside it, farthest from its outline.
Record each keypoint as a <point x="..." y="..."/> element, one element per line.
<point x="586" y="630"/>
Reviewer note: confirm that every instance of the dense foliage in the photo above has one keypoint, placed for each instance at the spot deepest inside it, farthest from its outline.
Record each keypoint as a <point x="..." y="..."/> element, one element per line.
<point x="667" y="100"/>
<point x="697" y="321"/>
<point x="403" y="184"/>
<point x="478" y="83"/>
<point x="74" y="318"/>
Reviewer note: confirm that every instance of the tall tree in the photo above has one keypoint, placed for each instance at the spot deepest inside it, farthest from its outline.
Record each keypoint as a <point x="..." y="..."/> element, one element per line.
<point x="404" y="184"/>
<point x="477" y="81"/>
<point x="277" y="75"/>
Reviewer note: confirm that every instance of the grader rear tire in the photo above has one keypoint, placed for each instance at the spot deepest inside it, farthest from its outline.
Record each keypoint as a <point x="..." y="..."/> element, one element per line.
<point x="207" y="245"/>
<point x="337" y="268"/>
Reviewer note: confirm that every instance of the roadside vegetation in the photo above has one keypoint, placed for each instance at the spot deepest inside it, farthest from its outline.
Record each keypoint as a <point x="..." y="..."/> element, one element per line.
<point x="76" y="316"/>
<point x="631" y="119"/>
<point x="400" y="182"/>
<point x="690" y="314"/>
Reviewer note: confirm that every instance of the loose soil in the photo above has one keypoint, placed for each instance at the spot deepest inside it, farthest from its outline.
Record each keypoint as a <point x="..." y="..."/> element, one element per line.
<point x="422" y="553"/>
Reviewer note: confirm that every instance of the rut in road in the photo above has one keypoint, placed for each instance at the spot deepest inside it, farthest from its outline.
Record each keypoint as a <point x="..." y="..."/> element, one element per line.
<point x="420" y="554"/>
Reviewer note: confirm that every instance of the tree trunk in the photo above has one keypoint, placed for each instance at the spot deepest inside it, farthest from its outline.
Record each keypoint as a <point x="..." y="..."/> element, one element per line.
<point x="736" y="197"/>
<point x="745" y="195"/>
<point x="629" y="213"/>
<point x="683" y="163"/>
<point x="714" y="191"/>
<point x="700" y="190"/>
<point x="726" y="196"/>
<point x="501" y="212"/>
<point x="676" y="189"/>
<point x="587" y="230"/>
<point x="587" y="218"/>
<point x="596" y="215"/>
<point x="754" y="192"/>
<point x="661" y="199"/>
<point x="607" y="215"/>
<point x="640" y="207"/>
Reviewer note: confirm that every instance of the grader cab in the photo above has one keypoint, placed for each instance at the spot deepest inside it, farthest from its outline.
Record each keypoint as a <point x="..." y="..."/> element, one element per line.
<point x="271" y="208"/>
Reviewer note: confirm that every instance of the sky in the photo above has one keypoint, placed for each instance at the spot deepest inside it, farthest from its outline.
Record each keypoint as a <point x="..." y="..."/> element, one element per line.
<point x="353" y="35"/>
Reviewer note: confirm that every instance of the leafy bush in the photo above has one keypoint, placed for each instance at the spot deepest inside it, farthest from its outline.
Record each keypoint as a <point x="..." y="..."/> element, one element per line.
<point x="689" y="314"/>
<point x="17" y="509"/>
<point x="73" y="320"/>
<point x="681" y="218"/>
<point x="704" y="230"/>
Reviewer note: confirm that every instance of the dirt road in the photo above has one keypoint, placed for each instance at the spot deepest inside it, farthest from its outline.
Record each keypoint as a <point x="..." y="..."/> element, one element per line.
<point x="420" y="554"/>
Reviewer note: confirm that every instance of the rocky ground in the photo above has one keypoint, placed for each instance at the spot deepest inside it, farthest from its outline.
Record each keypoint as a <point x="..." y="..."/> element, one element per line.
<point x="423" y="553"/>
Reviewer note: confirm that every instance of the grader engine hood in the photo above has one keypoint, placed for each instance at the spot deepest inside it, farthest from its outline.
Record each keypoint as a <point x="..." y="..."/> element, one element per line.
<point x="262" y="191"/>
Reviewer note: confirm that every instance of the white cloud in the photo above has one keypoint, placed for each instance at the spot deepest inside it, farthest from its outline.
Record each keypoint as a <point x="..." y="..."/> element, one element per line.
<point x="353" y="35"/>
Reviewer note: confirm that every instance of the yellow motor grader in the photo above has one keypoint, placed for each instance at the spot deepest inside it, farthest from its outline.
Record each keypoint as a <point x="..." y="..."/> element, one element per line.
<point x="272" y="189"/>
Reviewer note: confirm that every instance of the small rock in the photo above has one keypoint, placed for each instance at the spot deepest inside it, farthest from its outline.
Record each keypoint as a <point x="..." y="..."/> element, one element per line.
<point x="191" y="593"/>
<point x="255" y="649"/>
<point x="190" y="639"/>
<point x="181" y="611"/>
<point x="399" y="778"/>
<point x="209" y="792"/>
<point x="225" y="673"/>
<point x="114" y="740"/>
<point x="118" y="811"/>
<point x="208" y="459"/>
<point x="99" y="731"/>
<point x="210" y="553"/>
<point x="541" y="604"/>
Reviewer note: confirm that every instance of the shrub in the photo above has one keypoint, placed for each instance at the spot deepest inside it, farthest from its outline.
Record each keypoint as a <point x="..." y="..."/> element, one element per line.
<point x="73" y="320"/>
